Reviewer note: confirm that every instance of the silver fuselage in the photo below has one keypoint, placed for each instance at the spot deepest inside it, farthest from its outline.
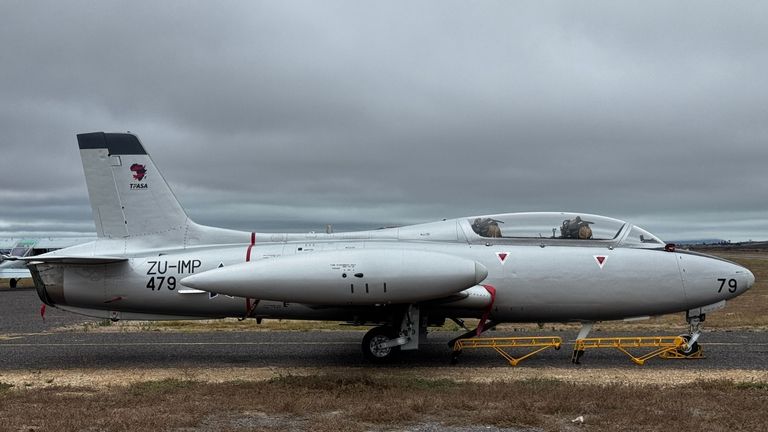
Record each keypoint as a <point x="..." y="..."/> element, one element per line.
<point x="538" y="280"/>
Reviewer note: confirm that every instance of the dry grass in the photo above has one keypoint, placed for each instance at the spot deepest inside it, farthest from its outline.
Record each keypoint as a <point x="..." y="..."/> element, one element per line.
<point x="493" y="372"/>
<point x="356" y="401"/>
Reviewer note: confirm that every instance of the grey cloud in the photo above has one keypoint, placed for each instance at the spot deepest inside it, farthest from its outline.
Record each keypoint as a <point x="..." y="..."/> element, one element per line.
<point x="360" y="115"/>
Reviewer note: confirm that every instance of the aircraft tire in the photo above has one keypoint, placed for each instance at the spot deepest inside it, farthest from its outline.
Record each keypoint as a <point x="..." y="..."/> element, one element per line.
<point x="12" y="283"/>
<point x="693" y="349"/>
<point x="374" y="337"/>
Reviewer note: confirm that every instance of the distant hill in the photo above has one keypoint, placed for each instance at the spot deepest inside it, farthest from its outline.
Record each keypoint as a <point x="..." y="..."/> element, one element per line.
<point x="743" y="246"/>
<point x="710" y="241"/>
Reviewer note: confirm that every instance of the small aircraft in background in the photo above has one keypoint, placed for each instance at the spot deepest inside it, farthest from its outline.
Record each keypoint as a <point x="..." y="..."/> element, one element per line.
<point x="14" y="273"/>
<point x="151" y="262"/>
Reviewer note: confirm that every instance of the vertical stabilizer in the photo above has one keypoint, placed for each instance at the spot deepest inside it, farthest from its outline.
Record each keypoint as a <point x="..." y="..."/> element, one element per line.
<point x="129" y="196"/>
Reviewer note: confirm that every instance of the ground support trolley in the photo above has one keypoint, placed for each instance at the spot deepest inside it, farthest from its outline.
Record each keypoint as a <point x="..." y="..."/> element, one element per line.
<point x="665" y="346"/>
<point x="499" y="344"/>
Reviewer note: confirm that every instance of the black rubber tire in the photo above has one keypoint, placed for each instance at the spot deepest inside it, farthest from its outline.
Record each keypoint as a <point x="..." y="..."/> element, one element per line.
<point x="455" y="357"/>
<point x="379" y="335"/>
<point x="693" y="349"/>
<point x="13" y="283"/>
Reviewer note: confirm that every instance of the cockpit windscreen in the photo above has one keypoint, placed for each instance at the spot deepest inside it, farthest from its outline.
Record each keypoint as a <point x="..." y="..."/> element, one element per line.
<point x="570" y="226"/>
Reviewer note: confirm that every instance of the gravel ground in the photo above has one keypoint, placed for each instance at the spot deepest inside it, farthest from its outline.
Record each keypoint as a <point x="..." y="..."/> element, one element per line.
<point x="99" y="378"/>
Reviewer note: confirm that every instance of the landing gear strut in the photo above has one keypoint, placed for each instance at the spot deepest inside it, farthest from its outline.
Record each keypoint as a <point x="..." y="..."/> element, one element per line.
<point x="586" y="327"/>
<point x="692" y="347"/>
<point x="382" y="344"/>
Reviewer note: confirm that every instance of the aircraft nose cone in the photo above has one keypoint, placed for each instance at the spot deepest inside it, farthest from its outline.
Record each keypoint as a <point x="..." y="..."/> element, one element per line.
<point x="744" y="277"/>
<point x="750" y="279"/>
<point x="480" y="272"/>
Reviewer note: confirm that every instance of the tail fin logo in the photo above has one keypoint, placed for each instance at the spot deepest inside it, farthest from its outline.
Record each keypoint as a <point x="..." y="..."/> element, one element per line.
<point x="139" y="171"/>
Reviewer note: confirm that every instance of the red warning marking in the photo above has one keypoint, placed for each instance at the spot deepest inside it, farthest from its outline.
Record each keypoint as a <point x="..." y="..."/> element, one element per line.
<point x="250" y="246"/>
<point x="481" y="325"/>
<point x="502" y="256"/>
<point x="600" y="260"/>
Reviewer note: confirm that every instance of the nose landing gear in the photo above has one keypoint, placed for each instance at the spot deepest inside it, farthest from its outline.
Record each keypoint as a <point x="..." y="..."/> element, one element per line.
<point x="691" y="348"/>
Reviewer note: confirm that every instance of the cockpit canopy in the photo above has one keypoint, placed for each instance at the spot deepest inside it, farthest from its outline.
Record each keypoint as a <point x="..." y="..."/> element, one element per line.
<point x="563" y="226"/>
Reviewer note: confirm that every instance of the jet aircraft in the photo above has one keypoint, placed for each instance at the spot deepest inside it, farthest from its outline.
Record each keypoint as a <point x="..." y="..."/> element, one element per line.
<point x="14" y="272"/>
<point x="152" y="262"/>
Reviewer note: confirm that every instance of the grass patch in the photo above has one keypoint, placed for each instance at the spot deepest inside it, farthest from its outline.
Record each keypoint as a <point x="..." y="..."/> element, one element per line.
<point x="160" y="386"/>
<point x="763" y="386"/>
<point x="432" y="384"/>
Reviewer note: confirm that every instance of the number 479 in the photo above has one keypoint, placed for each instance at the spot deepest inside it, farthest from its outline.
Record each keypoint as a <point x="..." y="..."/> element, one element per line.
<point x="732" y="285"/>
<point x="170" y="283"/>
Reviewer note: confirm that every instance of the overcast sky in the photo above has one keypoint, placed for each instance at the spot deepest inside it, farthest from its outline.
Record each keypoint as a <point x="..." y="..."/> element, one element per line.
<point x="290" y="115"/>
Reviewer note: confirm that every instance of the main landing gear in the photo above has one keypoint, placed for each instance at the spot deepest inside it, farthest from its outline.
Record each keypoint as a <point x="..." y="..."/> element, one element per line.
<point x="383" y="344"/>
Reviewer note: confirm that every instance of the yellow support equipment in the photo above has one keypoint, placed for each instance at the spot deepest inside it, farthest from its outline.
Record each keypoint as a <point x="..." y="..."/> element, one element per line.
<point x="498" y="344"/>
<point x="665" y="346"/>
<point x="677" y="355"/>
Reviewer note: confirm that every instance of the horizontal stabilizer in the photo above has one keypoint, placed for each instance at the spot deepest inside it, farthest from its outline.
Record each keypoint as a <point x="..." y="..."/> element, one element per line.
<point x="74" y="259"/>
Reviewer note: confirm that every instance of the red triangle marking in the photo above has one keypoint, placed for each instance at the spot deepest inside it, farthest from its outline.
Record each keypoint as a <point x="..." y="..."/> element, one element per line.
<point x="502" y="256"/>
<point x="600" y="259"/>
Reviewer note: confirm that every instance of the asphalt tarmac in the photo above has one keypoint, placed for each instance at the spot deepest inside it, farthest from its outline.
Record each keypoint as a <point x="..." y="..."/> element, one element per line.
<point x="29" y="343"/>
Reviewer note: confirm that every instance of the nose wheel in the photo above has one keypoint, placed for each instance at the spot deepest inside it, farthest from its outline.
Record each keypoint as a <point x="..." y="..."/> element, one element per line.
<point x="692" y="348"/>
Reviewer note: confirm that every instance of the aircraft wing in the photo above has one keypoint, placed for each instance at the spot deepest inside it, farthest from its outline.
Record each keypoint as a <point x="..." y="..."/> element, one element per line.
<point x="74" y="259"/>
<point x="43" y="242"/>
<point x="61" y="242"/>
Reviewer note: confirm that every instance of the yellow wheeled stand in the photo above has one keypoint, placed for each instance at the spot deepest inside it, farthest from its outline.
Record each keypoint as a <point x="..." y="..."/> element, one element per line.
<point x="498" y="344"/>
<point x="678" y="355"/>
<point x="668" y="347"/>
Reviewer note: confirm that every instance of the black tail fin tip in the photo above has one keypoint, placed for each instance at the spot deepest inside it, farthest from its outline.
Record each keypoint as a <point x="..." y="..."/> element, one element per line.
<point x="116" y="143"/>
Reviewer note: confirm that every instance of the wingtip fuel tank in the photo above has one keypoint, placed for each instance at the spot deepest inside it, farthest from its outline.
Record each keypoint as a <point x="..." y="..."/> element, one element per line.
<point x="353" y="277"/>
